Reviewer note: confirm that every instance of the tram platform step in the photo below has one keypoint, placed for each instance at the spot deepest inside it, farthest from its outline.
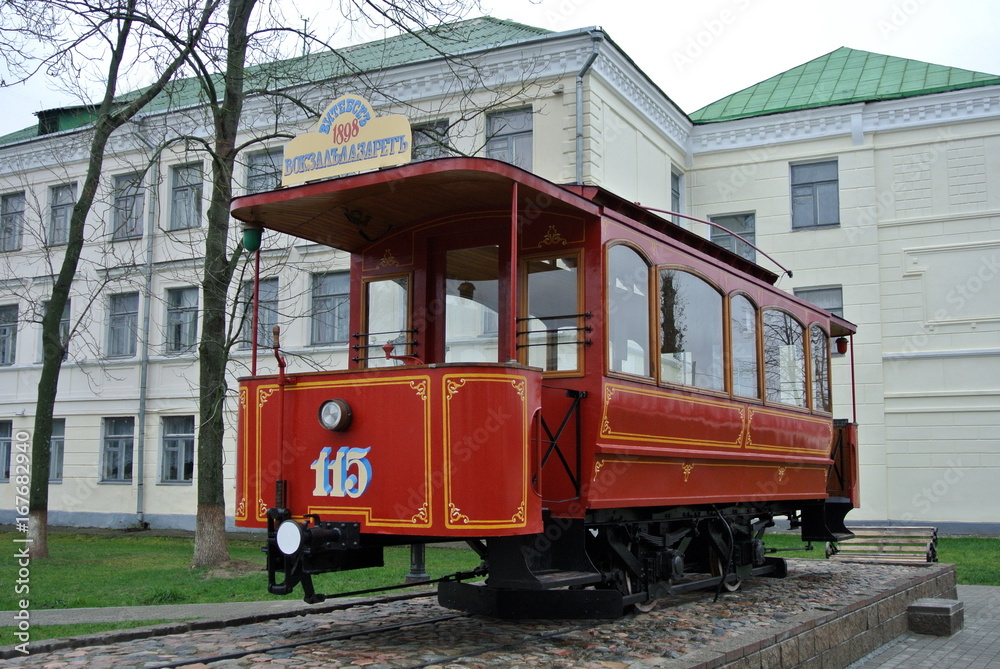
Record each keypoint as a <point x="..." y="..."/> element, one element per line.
<point x="549" y="580"/>
<point x="887" y="544"/>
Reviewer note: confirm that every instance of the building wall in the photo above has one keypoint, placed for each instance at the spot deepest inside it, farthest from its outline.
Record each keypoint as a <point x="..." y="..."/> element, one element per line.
<point x="916" y="254"/>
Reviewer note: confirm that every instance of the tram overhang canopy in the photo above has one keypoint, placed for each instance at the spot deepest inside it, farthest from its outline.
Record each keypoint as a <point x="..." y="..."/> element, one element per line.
<point x="351" y="212"/>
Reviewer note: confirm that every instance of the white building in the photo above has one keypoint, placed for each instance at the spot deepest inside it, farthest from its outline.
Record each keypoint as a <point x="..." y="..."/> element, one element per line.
<point x="875" y="180"/>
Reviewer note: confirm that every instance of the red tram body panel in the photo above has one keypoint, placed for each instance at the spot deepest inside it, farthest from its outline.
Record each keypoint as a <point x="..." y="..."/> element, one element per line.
<point x="529" y="357"/>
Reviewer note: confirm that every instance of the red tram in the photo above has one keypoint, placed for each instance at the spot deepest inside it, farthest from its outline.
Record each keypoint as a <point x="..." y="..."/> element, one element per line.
<point x="607" y="407"/>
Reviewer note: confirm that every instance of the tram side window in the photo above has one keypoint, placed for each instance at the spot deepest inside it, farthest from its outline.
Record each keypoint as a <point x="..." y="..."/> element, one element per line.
<point x="743" y="334"/>
<point x="820" y="349"/>
<point x="387" y="305"/>
<point x="691" y="335"/>
<point x="628" y="312"/>
<point x="551" y="332"/>
<point x="784" y="359"/>
<point x="472" y="302"/>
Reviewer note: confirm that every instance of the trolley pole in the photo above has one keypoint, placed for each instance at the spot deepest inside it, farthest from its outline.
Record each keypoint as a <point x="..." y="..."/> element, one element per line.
<point x="418" y="568"/>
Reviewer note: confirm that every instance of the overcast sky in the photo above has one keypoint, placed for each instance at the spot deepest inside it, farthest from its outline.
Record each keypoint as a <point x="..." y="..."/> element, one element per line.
<point x="698" y="52"/>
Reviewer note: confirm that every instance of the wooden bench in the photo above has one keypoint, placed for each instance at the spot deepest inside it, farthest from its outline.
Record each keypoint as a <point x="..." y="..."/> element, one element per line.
<point x="887" y="544"/>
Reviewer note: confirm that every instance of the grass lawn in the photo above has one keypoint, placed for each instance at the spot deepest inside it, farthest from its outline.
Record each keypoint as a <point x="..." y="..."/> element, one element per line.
<point x="135" y="569"/>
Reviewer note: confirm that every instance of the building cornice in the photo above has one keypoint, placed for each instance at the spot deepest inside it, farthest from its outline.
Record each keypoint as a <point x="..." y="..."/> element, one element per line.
<point x="853" y="120"/>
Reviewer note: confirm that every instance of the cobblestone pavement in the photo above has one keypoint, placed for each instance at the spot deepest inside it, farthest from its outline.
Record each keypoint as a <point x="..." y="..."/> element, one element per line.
<point x="676" y="627"/>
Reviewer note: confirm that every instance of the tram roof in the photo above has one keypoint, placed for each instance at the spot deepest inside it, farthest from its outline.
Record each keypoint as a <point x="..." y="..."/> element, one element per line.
<point x="351" y="212"/>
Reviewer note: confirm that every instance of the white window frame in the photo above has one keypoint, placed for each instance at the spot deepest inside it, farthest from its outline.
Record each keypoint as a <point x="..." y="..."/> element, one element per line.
<point x="186" y="182"/>
<point x="121" y="444"/>
<point x="176" y="444"/>
<point x="121" y="319"/>
<point x="128" y="207"/>
<point x="12" y="206"/>
<point x="61" y="201"/>
<point x="181" y="319"/>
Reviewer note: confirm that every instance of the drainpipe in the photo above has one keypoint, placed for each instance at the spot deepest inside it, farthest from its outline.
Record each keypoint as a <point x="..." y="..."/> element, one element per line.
<point x="597" y="37"/>
<point x="140" y="441"/>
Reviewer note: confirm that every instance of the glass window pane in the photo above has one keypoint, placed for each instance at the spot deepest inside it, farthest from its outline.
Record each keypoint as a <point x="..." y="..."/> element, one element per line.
<point x="820" y="347"/>
<point x="784" y="359"/>
<point x="472" y="295"/>
<point x="628" y="312"/>
<point x="552" y="327"/>
<point x="387" y="315"/>
<point x="743" y="329"/>
<point x="330" y="307"/>
<point x="827" y="204"/>
<point x="691" y="343"/>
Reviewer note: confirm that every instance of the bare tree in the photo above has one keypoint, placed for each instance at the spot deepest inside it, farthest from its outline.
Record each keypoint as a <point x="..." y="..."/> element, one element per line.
<point x="126" y="32"/>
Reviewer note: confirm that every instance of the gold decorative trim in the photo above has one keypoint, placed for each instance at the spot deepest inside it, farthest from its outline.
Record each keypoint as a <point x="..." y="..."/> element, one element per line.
<point x="781" y="473"/>
<point x="455" y="514"/>
<point x="750" y="413"/>
<point x="454" y="386"/>
<point x="243" y="398"/>
<point x="597" y="468"/>
<point x="421" y="388"/>
<point x="261" y="507"/>
<point x="518" y="517"/>
<point x="518" y="384"/>
<point x="421" y="515"/>
<point x="388" y="260"/>
<point x="241" y="508"/>
<point x="552" y="238"/>
<point x="264" y="393"/>
<point x="687" y="471"/>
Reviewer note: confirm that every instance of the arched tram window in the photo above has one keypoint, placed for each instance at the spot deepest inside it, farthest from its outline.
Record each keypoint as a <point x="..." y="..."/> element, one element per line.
<point x="819" y="349"/>
<point x="628" y="311"/>
<point x="784" y="359"/>
<point x="743" y="338"/>
<point x="692" y="345"/>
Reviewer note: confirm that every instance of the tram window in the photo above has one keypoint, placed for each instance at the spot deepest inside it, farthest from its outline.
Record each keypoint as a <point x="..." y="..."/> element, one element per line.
<point x="784" y="359"/>
<point x="820" y="349"/>
<point x="691" y="343"/>
<point x="472" y="294"/>
<point x="628" y="311"/>
<point x="551" y="332"/>
<point x="743" y="334"/>
<point x="387" y="306"/>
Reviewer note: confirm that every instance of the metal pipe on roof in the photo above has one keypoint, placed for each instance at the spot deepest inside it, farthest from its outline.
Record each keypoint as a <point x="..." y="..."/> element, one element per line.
<point x="598" y="38"/>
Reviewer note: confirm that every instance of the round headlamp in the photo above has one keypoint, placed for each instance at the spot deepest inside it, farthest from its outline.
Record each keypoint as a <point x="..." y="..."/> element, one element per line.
<point x="290" y="537"/>
<point x="335" y="415"/>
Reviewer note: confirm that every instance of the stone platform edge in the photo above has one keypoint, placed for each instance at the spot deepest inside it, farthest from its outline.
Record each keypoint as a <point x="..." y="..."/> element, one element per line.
<point x="834" y="635"/>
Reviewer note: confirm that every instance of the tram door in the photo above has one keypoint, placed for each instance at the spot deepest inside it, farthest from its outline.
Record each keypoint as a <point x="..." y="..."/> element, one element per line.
<point x="465" y="299"/>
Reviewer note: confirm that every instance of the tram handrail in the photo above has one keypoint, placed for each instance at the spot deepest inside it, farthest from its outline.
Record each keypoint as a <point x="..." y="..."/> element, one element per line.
<point x="719" y="227"/>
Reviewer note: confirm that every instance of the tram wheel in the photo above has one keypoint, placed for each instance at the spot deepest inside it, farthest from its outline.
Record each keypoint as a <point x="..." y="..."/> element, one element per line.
<point x="717" y="564"/>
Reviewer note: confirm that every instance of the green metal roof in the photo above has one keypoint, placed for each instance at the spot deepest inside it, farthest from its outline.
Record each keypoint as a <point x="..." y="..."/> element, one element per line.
<point x="841" y="77"/>
<point x="449" y="39"/>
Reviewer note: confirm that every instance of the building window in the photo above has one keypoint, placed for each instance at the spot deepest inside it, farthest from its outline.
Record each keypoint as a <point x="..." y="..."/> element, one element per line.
<point x="6" y="432"/>
<point x="675" y="196"/>
<point x="508" y="137"/>
<point x="691" y="334"/>
<point x="177" y="461"/>
<point x="128" y="207"/>
<point x="330" y="307"/>
<point x="743" y="335"/>
<point x="830" y="298"/>
<point x="264" y="170"/>
<point x="182" y="319"/>
<point x="63" y="329"/>
<point x="61" y="199"/>
<point x="123" y="324"/>
<point x="628" y="311"/>
<point x="784" y="359"/>
<point x="815" y="196"/>
<point x="742" y="224"/>
<point x="430" y="140"/>
<point x="11" y="221"/>
<point x="185" y="197"/>
<point x="57" y="447"/>
<point x="8" y="334"/>
<point x="267" y="314"/>
<point x="116" y="456"/>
